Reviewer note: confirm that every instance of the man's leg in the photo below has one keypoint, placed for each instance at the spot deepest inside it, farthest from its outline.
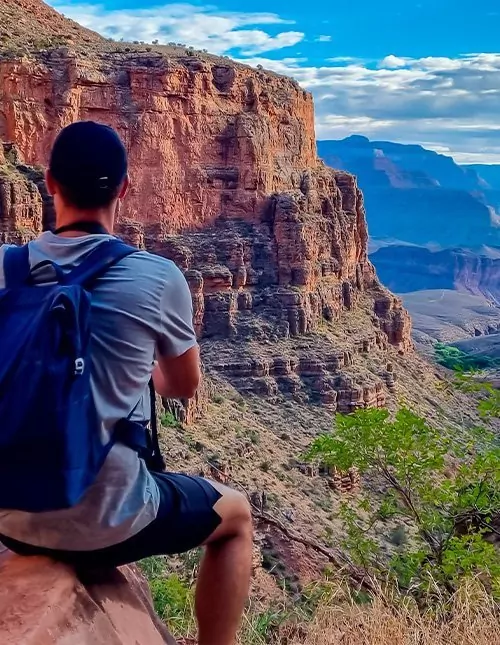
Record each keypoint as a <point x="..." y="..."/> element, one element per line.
<point x="224" y="578"/>
<point x="225" y="571"/>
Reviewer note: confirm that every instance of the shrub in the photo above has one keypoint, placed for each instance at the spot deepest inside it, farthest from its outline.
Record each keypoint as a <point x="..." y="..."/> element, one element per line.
<point x="153" y="567"/>
<point x="168" y="420"/>
<point x="455" y="359"/>
<point x="173" y="602"/>
<point x="173" y="595"/>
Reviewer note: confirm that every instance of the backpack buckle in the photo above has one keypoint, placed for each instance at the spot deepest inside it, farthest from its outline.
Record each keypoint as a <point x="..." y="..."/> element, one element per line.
<point x="79" y="366"/>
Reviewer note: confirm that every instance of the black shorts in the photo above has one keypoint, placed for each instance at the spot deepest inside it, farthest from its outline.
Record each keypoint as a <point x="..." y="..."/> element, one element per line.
<point x="186" y="519"/>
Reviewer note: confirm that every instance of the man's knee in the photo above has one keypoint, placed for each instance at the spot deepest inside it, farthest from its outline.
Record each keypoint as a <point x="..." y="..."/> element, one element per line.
<point x="235" y="512"/>
<point x="243" y="510"/>
<point x="234" y="506"/>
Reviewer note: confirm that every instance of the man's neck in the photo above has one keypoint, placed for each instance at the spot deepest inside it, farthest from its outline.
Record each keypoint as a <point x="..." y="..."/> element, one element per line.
<point x="71" y="217"/>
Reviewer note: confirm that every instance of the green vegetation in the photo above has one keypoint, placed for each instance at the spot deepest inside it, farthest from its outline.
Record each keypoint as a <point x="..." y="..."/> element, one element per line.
<point x="263" y="625"/>
<point x="168" y="420"/>
<point x="50" y="42"/>
<point x="444" y="486"/>
<point x="173" y="594"/>
<point x="455" y="359"/>
<point x="174" y="601"/>
<point x="422" y="547"/>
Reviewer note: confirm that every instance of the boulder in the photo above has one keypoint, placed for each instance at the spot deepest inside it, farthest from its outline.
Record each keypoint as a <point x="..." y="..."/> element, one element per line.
<point x="43" y="602"/>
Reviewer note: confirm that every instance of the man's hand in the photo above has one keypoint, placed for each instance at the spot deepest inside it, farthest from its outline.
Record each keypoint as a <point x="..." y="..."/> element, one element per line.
<point x="178" y="378"/>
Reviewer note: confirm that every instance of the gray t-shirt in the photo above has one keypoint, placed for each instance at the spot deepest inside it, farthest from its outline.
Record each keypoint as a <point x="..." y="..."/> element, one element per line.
<point x="140" y="308"/>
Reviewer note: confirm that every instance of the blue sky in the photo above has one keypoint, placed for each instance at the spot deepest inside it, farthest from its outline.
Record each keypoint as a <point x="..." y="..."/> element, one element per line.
<point x="416" y="71"/>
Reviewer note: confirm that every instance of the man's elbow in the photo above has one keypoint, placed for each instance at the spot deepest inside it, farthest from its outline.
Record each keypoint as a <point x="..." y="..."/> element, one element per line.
<point x="188" y="388"/>
<point x="179" y="377"/>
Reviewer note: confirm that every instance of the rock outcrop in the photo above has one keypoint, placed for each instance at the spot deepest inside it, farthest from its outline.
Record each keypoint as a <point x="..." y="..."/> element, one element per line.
<point x="226" y="182"/>
<point x="43" y="603"/>
<point x="21" y="202"/>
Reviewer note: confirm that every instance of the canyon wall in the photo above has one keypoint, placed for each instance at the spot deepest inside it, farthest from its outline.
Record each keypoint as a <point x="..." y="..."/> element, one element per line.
<point x="203" y="137"/>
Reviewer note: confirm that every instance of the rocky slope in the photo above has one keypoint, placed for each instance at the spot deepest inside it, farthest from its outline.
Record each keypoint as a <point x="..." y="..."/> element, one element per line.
<point x="30" y="25"/>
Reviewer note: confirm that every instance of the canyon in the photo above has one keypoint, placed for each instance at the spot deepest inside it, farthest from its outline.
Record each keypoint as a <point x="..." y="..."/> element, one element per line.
<point x="409" y="268"/>
<point x="227" y="183"/>
<point x="417" y="196"/>
<point x="293" y="321"/>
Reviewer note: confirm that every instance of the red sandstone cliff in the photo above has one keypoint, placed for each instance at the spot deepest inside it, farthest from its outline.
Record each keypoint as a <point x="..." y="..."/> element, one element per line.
<point x="204" y="137"/>
<point x="227" y="183"/>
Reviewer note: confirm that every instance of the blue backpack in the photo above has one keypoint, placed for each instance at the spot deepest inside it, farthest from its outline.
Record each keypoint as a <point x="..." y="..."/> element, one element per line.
<point x="51" y="447"/>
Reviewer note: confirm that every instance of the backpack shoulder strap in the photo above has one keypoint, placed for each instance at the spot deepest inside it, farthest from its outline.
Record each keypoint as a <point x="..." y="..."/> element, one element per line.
<point x="157" y="463"/>
<point x="16" y="266"/>
<point x="98" y="261"/>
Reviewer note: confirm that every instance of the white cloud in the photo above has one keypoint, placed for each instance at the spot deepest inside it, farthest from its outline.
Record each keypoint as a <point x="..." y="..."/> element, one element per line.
<point x="392" y="62"/>
<point x="342" y="59"/>
<point x="323" y="39"/>
<point x="200" y="27"/>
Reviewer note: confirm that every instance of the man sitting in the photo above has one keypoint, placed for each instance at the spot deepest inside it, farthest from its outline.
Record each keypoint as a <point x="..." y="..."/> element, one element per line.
<point x="141" y="315"/>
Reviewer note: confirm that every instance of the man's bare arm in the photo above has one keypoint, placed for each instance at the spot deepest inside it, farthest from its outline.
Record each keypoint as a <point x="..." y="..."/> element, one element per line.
<point x="178" y="378"/>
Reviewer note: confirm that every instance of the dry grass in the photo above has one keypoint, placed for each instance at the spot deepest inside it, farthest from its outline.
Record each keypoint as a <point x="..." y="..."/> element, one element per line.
<point x="471" y="618"/>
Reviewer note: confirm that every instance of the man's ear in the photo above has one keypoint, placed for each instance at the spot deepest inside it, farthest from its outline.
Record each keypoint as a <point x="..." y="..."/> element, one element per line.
<point x="51" y="184"/>
<point x="124" y="188"/>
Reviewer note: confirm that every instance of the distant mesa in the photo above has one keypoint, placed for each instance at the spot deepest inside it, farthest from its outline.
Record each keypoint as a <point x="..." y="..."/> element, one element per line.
<point x="419" y="196"/>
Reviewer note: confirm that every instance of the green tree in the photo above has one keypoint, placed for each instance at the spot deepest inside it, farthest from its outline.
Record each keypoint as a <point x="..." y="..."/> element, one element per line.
<point x="443" y="485"/>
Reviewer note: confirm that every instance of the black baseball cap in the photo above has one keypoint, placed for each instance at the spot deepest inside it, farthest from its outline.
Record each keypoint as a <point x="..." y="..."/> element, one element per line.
<point x="89" y="162"/>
